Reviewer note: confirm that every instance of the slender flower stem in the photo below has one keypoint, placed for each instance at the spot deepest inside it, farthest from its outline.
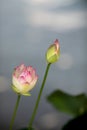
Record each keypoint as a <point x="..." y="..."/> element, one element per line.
<point x="15" y="111"/>
<point x="39" y="96"/>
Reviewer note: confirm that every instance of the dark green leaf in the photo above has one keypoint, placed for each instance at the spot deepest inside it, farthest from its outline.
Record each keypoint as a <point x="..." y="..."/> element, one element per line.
<point x="78" y="123"/>
<point x="26" y="129"/>
<point x="72" y="104"/>
<point x="23" y="129"/>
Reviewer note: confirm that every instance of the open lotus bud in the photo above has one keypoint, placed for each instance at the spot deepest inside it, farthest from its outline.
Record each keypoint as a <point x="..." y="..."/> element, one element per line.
<point x="24" y="79"/>
<point x="53" y="52"/>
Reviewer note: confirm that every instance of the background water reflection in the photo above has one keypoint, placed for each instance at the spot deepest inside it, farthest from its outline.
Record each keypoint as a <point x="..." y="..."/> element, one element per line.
<point x="27" y="28"/>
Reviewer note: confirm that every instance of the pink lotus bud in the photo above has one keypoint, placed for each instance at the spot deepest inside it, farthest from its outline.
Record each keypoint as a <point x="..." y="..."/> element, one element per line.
<point x="24" y="79"/>
<point x="53" y="52"/>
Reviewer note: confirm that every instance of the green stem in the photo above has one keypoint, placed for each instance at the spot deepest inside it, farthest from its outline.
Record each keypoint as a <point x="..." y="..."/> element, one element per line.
<point x="15" y="111"/>
<point x="39" y="96"/>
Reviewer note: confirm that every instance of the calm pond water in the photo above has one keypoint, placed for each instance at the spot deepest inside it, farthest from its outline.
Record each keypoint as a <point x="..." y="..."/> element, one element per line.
<point x="27" y="28"/>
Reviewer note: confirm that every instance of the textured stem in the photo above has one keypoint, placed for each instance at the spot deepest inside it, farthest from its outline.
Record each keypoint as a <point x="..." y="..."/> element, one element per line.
<point x="39" y="96"/>
<point x="15" y="111"/>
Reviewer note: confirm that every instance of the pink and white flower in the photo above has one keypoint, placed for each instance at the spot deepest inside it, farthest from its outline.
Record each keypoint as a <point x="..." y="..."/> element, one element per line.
<point x="24" y="79"/>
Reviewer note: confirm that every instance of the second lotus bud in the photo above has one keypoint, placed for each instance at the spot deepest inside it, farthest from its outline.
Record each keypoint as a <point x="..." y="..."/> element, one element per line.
<point x="53" y="52"/>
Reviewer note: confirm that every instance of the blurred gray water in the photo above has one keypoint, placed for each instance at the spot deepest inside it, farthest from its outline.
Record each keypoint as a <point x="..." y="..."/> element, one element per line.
<point x="27" y="28"/>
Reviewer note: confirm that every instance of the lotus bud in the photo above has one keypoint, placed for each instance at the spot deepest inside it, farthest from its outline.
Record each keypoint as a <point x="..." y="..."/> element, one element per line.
<point x="53" y="52"/>
<point x="24" y="79"/>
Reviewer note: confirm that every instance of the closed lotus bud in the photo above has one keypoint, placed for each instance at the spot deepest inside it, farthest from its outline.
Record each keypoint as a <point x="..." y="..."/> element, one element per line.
<point x="24" y="79"/>
<point x="53" y="52"/>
